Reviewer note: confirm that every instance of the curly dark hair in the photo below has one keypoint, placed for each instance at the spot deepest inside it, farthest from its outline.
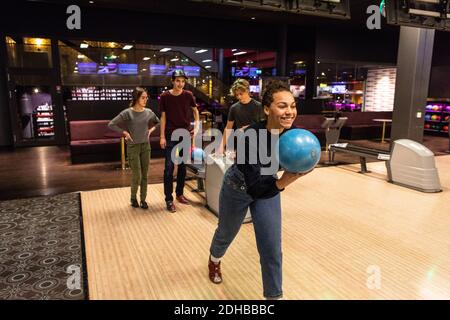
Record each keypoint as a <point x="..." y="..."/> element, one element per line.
<point x="273" y="87"/>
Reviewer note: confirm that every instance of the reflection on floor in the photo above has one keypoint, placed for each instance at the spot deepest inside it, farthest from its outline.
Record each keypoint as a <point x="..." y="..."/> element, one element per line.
<point x="40" y="171"/>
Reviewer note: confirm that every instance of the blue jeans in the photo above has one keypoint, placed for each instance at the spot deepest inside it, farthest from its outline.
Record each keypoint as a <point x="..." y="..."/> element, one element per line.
<point x="234" y="202"/>
<point x="169" y="166"/>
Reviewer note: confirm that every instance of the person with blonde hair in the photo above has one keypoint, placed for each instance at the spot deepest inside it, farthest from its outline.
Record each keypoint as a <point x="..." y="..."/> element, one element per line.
<point x="243" y="113"/>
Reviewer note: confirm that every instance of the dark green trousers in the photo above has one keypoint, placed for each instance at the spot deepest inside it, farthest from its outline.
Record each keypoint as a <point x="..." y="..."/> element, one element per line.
<point x="138" y="159"/>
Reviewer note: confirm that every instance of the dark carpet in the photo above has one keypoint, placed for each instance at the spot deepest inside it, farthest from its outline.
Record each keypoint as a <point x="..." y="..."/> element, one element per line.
<point x="41" y="249"/>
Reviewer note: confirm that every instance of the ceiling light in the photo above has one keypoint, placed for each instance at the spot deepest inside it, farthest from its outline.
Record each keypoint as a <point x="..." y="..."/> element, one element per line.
<point x="165" y="49"/>
<point x="233" y="50"/>
<point x="429" y="1"/>
<point x="425" y="13"/>
<point x="239" y="53"/>
<point x="144" y="69"/>
<point x="234" y="61"/>
<point x="84" y="45"/>
<point x="207" y="67"/>
<point x="207" y="60"/>
<point x="201" y="51"/>
<point x="81" y="56"/>
<point x="253" y="18"/>
<point x="174" y="59"/>
<point x="127" y="47"/>
<point x="146" y="58"/>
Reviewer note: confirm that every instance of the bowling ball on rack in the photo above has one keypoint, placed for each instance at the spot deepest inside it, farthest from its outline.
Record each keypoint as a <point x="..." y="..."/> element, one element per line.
<point x="197" y="154"/>
<point x="298" y="151"/>
<point x="445" y="128"/>
<point x="446" y="118"/>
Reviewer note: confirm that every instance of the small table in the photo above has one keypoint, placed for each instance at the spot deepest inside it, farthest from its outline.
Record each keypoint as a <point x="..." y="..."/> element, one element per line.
<point x="384" y="127"/>
<point x="123" y="165"/>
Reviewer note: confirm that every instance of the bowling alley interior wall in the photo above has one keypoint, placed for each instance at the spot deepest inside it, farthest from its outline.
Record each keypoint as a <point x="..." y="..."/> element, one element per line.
<point x="380" y="89"/>
<point x="5" y="128"/>
<point x="306" y="40"/>
<point x="440" y="69"/>
<point x="357" y="45"/>
<point x="440" y="88"/>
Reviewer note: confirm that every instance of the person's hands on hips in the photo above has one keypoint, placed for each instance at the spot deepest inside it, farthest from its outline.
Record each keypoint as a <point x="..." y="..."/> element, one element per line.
<point x="150" y="131"/>
<point x="127" y="136"/>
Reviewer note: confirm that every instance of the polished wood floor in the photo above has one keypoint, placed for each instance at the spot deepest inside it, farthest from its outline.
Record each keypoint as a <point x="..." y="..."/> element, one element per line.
<point x="41" y="171"/>
<point x="345" y="236"/>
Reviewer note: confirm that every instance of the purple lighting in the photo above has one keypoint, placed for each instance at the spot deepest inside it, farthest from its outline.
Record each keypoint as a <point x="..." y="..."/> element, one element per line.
<point x="344" y="106"/>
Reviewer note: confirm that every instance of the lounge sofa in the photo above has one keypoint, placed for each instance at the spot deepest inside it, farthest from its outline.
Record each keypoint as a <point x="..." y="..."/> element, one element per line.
<point x="93" y="141"/>
<point x="312" y="123"/>
<point x="360" y="125"/>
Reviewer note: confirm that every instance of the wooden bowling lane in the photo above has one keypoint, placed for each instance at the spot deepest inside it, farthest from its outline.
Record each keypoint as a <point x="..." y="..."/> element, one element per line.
<point x="345" y="236"/>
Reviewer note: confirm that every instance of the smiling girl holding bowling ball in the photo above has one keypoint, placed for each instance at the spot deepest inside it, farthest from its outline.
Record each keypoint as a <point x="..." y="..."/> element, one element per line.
<point x="245" y="187"/>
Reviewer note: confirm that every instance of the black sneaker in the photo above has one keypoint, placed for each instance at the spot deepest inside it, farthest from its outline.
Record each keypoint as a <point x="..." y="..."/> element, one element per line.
<point x="171" y="206"/>
<point x="134" y="203"/>
<point x="144" y="205"/>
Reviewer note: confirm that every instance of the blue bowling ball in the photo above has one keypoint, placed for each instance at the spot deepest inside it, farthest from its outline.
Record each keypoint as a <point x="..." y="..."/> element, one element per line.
<point x="198" y="155"/>
<point x="299" y="151"/>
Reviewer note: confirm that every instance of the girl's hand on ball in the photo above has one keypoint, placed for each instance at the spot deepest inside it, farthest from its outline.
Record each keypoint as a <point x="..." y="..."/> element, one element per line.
<point x="288" y="177"/>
